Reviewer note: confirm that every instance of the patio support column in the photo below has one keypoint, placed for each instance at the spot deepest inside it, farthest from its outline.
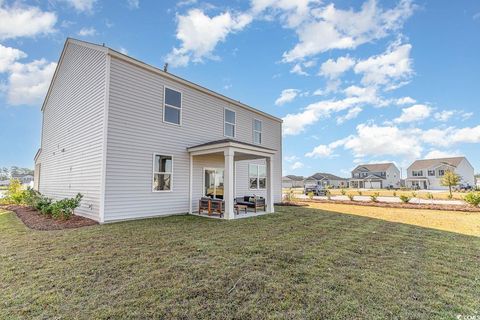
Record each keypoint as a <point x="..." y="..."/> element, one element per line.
<point x="228" y="183"/>
<point x="190" y="186"/>
<point x="270" y="207"/>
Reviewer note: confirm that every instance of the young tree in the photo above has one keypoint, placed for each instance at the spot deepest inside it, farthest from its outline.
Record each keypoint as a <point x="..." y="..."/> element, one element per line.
<point x="449" y="180"/>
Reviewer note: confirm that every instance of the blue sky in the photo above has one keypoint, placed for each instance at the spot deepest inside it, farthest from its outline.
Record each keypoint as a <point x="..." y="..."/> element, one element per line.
<point x="354" y="81"/>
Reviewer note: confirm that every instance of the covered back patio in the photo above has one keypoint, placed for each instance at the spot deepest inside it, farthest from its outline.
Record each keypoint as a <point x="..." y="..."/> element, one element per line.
<point x="231" y="179"/>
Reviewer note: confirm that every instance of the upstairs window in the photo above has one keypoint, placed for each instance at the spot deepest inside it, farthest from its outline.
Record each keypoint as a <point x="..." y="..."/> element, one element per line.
<point x="257" y="131"/>
<point x="431" y="173"/>
<point x="172" y="109"/>
<point x="441" y="172"/>
<point x="230" y="122"/>
<point x="257" y="175"/>
<point x="417" y="173"/>
<point x="162" y="173"/>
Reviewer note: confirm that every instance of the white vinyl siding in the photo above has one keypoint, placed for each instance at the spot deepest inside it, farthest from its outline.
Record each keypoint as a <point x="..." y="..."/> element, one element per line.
<point x="136" y="131"/>
<point x="72" y="134"/>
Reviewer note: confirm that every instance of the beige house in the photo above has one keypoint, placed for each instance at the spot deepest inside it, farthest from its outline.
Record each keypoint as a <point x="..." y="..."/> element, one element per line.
<point x="292" y="181"/>
<point x="326" y="180"/>
<point x="428" y="173"/>
<point x="375" y="176"/>
<point x="140" y="142"/>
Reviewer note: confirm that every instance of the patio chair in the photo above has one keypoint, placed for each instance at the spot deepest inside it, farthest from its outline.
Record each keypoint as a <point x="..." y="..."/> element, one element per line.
<point x="217" y="206"/>
<point x="204" y="204"/>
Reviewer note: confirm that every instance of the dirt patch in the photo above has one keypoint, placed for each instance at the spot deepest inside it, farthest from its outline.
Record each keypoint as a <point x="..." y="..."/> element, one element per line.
<point x="34" y="220"/>
<point x="442" y="207"/>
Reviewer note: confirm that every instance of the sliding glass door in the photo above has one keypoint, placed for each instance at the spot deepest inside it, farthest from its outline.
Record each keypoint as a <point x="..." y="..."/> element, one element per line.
<point x="213" y="182"/>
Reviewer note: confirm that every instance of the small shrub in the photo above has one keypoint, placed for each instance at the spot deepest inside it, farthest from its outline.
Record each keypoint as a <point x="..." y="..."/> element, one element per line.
<point x="414" y="194"/>
<point x="63" y="209"/>
<point x="343" y="192"/>
<point x="450" y="196"/>
<point x="394" y="193"/>
<point x="290" y="196"/>
<point x="472" y="198"/>
<point x="329" y="195"/>
<point x="14" y="192"/>
<point x="350" y="196"/>
<point x="405" y="198"/>
<point x="359" y="192"/>
<point x="374" y="197"/>
<point x="43" y="205"/>
<point x="310" y="195"/>
<point x="30" y="197"/>
<point x="430" y="196"/>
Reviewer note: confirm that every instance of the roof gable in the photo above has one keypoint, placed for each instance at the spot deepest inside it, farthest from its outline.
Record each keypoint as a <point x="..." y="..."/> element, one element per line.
<point x="374" y="167"/>
<point x="430" y="163"/>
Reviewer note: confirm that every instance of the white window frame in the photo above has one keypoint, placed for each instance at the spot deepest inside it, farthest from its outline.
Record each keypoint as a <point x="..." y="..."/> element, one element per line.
<point x="225" y="122"/>
<point x="417" y="173"/>
<point x="203" y="179"/>
<point x="154" y="172"/>
<point x="170" y="106"/>
<point x="258" y="176"/>
<point x="257" y="131"/>
<point x="430" y="171"/>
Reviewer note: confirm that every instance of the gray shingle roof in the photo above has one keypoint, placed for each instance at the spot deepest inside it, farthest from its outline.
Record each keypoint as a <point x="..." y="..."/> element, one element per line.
<point x="375" y="167"/>
<point x="322" y="175"/>
<point x="428" y="163"/>
<point x="293" y="177"/>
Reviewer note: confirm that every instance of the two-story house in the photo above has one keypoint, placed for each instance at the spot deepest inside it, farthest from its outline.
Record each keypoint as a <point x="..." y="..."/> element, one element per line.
<point x="375" y="176"/>
<point x="292" y="181"/>
<point x="428" y="173"/>
<point x="326" y="180"/>
<point x="140" y="142"/>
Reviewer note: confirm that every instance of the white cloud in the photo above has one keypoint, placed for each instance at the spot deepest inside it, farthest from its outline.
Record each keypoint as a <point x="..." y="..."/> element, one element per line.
<point x="334" y="68"/>
<point x="81" y="5"/>
<point x="444" y="115"/>
<point x="383" y="69"/>
<point x="199" y="34"/>
<point x="375" y="141"/>
<point x="435" y="154"/>
<point x="294" y="124"/>
<point x="287" y="95"/>
<point x="123" y="50"/>
<point x="87" y="32"/>
<point x="28" y="83"/>
<point x="328" y="28"/>
<point x="297" y="69"/>
<point x="405" y="100"/>
<point x="25" y="21"/>
<point x="351" y="114"/>
<point x="8" y="56"/>
<point x="414" y="113"/>
<point x="292" y="12"/>
<point x="297" y="165"/>
<point x="290" y="158"/>
<point x="320" y="151"/>
<point x="133" y="4"/>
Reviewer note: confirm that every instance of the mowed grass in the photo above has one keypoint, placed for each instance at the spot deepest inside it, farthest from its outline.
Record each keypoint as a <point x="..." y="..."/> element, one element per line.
<point x="297" y="263"/>
<point x="422" y="194"/>
<point x="467" y="223"/>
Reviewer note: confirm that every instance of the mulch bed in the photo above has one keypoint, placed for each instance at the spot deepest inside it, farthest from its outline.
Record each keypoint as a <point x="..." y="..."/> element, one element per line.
<point x="444" y="207"/>
<point x="291" y="204"/>
<point x="34" y="220"/>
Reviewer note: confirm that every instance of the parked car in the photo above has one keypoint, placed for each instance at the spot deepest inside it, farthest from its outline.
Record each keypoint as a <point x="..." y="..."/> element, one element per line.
<point x="464" y="187"/>
<point x="317" y="190"/>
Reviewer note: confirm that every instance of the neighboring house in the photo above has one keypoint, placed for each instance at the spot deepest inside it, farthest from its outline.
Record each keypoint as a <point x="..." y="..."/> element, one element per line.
<point x="477" y="180"/>
<point x="428" y="173"/>
<point x="24" y="179"/>
<point x="326" y="180"/>
<point x="292" y="181"/>
<point x="375" y="176"/>
<point x="140" y="142"/>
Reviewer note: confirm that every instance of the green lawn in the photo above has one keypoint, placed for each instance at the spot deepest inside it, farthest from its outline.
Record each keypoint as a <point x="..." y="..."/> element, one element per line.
<point x="298" y="263"/>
